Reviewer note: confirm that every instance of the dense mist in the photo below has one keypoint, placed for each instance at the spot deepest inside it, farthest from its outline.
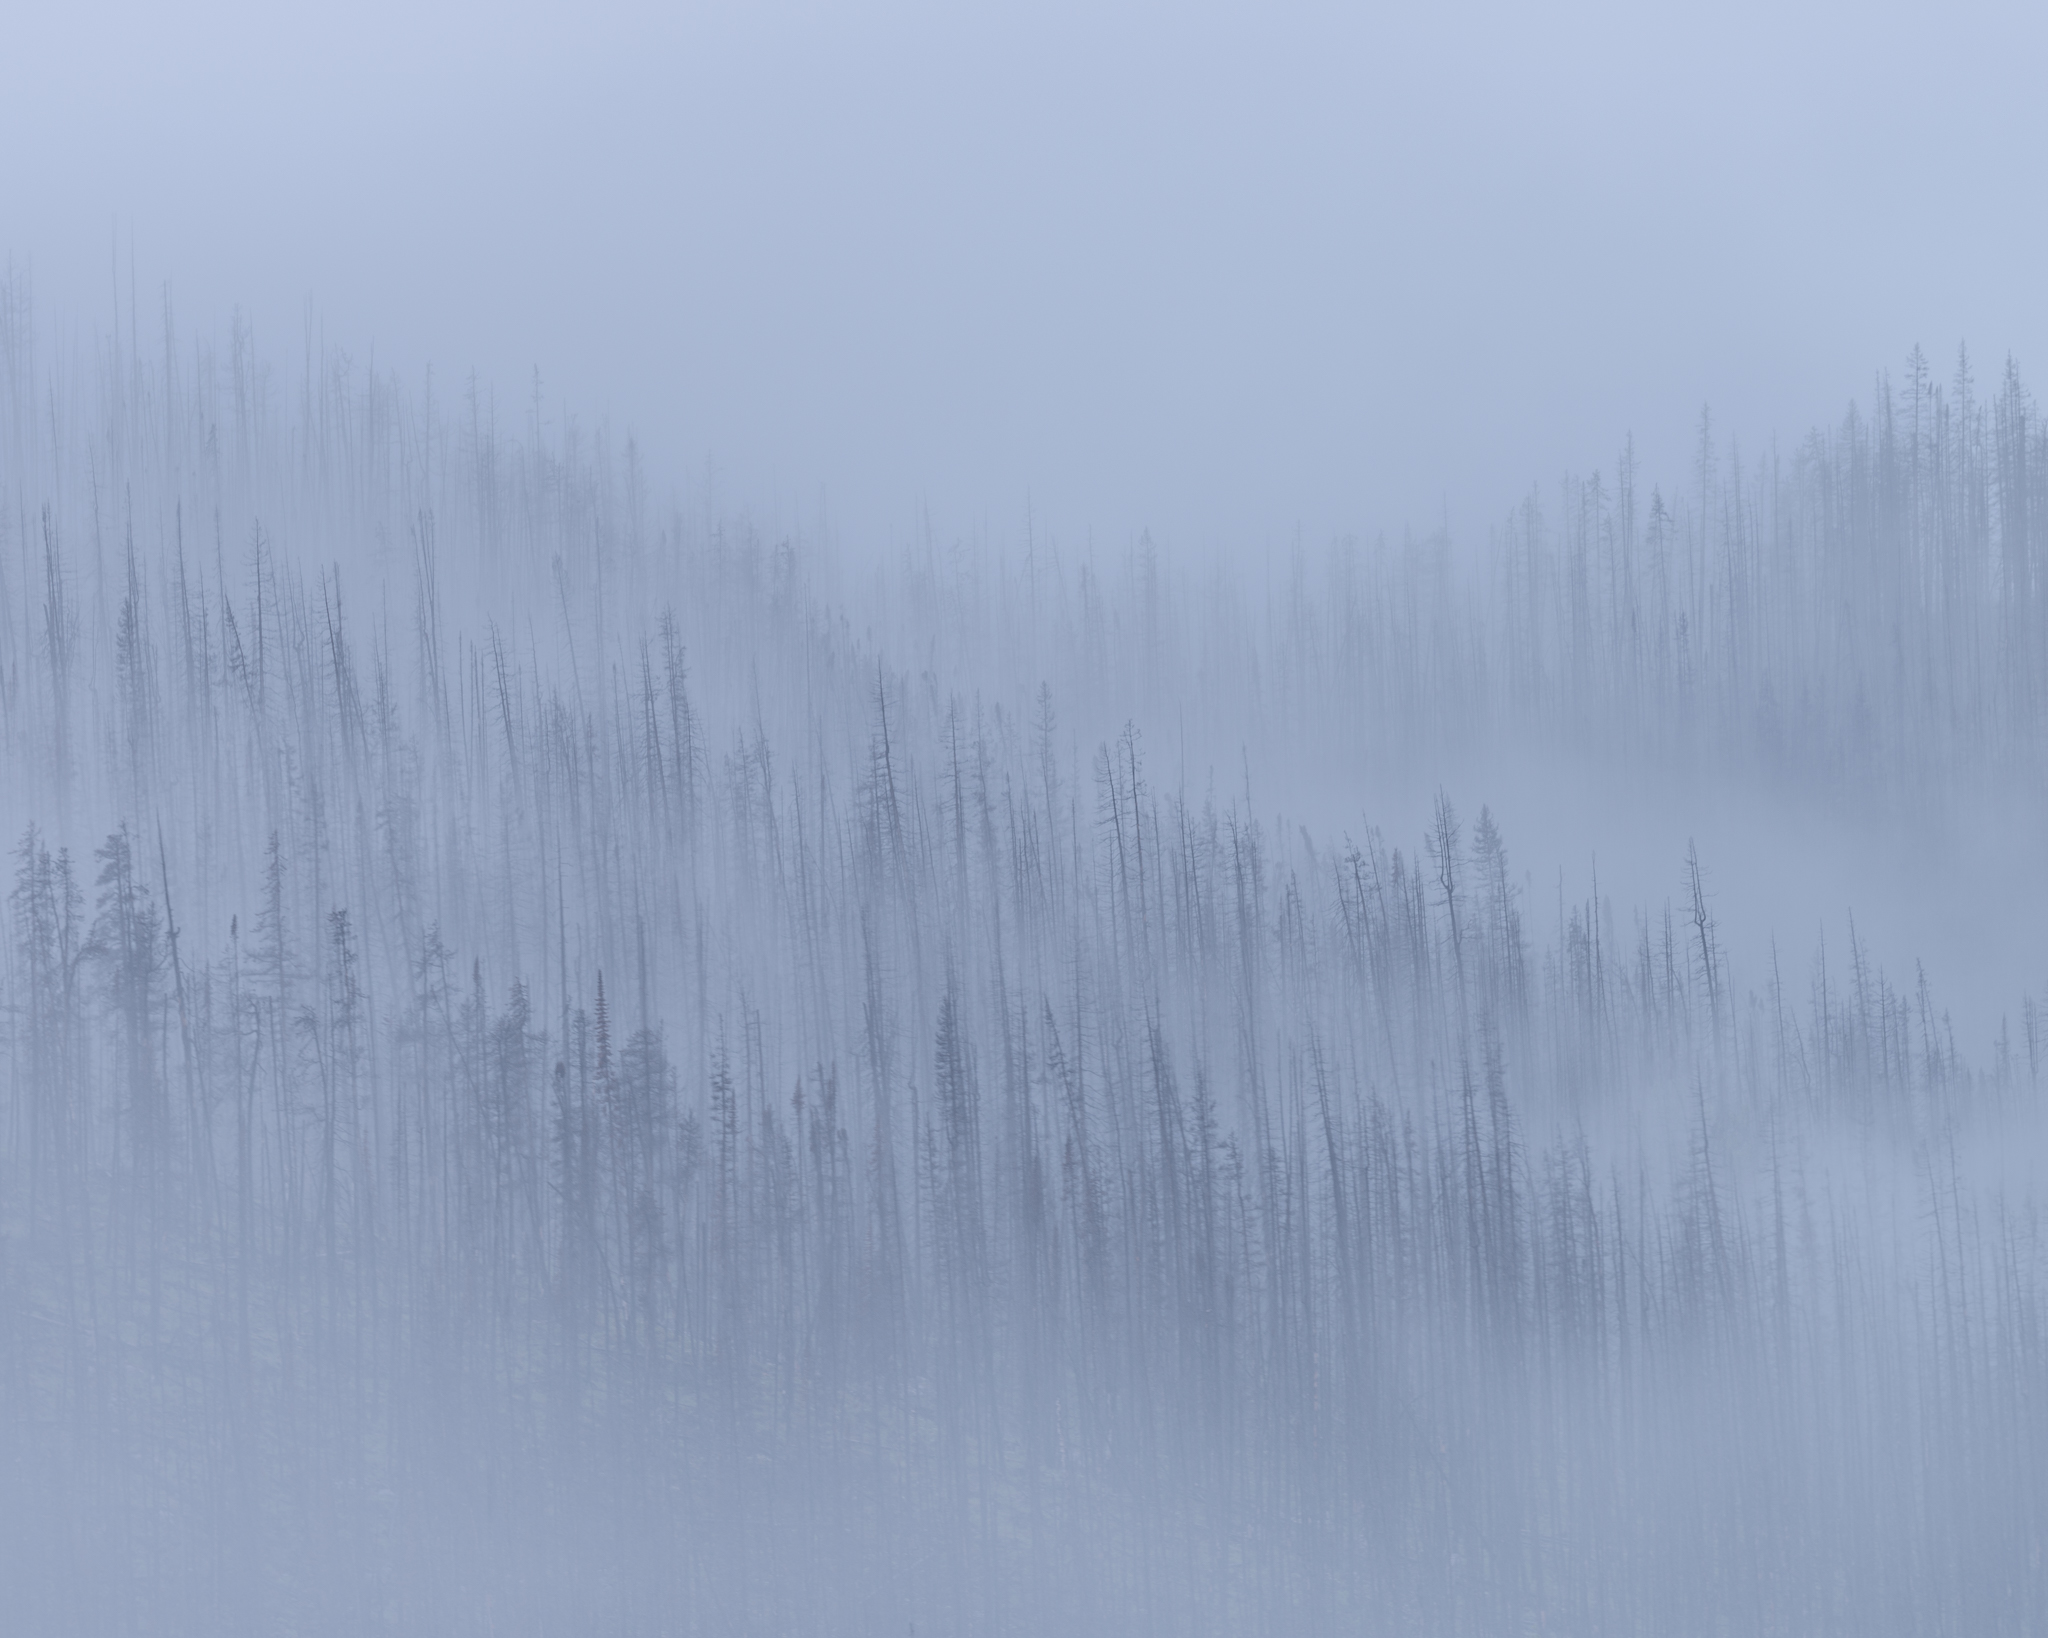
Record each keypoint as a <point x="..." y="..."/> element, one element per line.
<point x="575" y="1064"/>
<point x="1225" y="271"/>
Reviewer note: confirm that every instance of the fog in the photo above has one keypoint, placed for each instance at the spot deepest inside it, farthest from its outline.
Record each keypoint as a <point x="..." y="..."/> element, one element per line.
<point x="859" y="822"/>
<point x="1221" y="272"/>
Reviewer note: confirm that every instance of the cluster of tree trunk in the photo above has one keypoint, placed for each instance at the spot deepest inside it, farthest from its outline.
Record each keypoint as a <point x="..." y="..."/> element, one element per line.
<point x="567" y="1072"/>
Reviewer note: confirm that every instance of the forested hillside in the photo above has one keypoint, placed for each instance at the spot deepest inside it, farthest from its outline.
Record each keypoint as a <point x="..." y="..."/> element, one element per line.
<point x="573" y="1067"/>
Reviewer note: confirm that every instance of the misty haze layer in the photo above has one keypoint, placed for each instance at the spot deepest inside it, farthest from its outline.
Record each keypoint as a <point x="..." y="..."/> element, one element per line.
<point x="1221" y="270"/>
<point x="573" y="1068"/>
